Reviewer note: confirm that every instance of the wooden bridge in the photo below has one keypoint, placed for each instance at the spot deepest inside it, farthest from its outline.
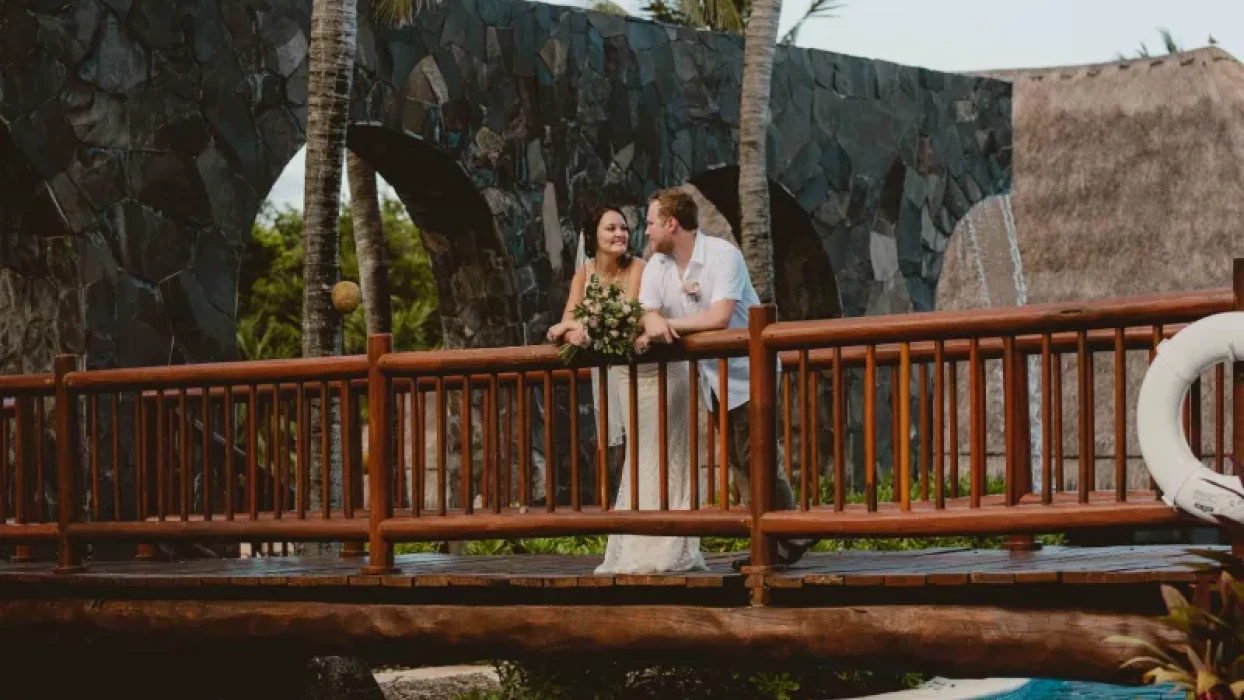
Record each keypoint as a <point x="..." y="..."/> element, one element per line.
<point x="124" y="494"/>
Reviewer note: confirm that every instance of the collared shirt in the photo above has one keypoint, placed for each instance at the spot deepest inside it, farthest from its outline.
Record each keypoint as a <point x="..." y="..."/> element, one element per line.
<point x="718" y="268"/>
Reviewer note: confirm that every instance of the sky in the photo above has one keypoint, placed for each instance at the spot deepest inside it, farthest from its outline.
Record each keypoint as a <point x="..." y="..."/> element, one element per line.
<point x="975" y="35"/>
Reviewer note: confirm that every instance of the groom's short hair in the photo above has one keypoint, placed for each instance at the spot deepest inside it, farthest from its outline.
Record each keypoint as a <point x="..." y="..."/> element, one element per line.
<point x="680" y="205"/>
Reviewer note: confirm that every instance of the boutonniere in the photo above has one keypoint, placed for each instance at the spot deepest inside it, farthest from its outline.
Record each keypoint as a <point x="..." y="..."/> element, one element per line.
<point x="692" y="289"/>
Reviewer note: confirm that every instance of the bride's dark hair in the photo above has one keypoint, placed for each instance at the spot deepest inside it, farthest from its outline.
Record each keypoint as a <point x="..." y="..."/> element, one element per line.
<point x="591" y="224"/>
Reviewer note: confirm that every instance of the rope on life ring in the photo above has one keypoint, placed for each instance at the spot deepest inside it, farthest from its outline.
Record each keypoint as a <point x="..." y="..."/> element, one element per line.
<point x="1186" y="483"/>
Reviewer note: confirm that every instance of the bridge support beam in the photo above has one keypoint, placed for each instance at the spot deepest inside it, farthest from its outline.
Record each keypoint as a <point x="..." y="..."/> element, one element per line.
<point x="947" y="639"/>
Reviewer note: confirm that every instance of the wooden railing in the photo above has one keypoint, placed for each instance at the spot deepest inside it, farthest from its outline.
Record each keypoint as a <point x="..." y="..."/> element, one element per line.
<point x="248" y="451"/>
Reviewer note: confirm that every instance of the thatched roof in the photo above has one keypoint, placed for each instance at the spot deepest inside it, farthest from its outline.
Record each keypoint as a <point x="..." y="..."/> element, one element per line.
<point x="1128" y="176"/>
<point x="1128" y="179"/>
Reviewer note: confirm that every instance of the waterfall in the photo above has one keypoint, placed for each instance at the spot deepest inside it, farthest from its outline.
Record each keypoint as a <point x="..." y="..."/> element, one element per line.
<point x="1034" y="363"/>
<point x="980" y="260"/>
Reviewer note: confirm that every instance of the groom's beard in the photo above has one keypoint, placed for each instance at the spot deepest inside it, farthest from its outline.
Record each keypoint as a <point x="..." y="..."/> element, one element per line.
<point x="665" y="247"/>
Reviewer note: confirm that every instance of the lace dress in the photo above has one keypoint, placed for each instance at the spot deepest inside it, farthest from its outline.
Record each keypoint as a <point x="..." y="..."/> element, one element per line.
<point x="640" y="554"/>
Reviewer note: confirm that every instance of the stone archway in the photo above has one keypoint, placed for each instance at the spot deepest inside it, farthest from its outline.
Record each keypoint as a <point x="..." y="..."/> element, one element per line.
<point x="473" y="274"/>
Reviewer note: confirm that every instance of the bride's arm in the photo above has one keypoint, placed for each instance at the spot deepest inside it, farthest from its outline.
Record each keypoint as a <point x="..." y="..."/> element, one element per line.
<point x="577" y="284"/>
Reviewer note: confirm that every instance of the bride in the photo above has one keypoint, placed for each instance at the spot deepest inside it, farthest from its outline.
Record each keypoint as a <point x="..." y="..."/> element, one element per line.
<point x="609" y="261"/>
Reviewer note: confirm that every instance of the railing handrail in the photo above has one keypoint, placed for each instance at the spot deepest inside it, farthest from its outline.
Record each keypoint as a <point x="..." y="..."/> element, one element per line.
<point x="1150" y="309"/>
<point x="529" y="358"/>
<point x="26" y="384"/>
<point x="989" y="348"/>
<point x="199" y="375"/>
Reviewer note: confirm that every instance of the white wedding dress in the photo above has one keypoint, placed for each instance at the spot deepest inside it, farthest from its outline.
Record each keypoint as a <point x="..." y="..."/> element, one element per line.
<point x="641" y="554"/>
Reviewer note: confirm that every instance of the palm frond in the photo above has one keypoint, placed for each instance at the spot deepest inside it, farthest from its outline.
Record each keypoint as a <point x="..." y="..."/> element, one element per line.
<point x="720" y="15"/>
<point x="397" y="13"/>
<point x="609" y="8"/>
<point x="819" y="9"/>
<point x="663" y="12"/>
<point x="1168" y="40"/>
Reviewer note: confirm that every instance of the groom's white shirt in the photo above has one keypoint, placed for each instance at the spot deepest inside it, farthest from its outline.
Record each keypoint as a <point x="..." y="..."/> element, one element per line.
<point x="719" y="269"/>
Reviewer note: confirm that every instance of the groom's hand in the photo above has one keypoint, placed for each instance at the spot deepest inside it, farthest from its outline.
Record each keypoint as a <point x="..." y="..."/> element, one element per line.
<point x="658" y="328"/>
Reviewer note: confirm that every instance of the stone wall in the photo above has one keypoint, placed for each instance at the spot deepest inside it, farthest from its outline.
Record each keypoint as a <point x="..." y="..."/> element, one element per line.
<point x="40" y="302"/>
<point x="158" y="128"/>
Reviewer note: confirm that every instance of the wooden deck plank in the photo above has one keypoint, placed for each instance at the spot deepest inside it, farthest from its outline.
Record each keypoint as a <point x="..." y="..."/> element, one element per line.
<point x="946" y="566"/>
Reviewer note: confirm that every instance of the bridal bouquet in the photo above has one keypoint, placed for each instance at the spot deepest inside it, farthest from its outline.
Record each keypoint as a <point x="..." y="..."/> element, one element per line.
<point x="610" y="322"/>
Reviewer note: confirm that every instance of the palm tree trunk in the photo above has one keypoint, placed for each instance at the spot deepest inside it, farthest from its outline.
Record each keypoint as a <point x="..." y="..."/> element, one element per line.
<point x="755" y="238"/>
<point x="369" y="242"/>
<point x="373" y="265"/>
<point x="333" y="29"/>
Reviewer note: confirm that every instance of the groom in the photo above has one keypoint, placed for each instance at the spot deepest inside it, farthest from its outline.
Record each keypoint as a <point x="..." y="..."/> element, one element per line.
<point x="697" y="283"/>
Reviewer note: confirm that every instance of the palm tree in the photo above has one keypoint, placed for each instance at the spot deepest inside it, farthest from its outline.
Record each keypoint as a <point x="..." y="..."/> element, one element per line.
<point x="331" y="55"/>
<point x="333" y="31"/>
<point x="754" y="236"/>
<point x="369" y="243"/>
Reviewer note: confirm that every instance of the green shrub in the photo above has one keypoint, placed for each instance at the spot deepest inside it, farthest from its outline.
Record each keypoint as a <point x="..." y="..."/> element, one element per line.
<point x="610" y="679"/>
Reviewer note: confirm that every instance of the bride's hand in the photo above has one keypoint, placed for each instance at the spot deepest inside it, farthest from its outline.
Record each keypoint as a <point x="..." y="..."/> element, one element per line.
<point x="642" y="344"/>
<point x="577" y="337"/>
<point x="560" y="331"/>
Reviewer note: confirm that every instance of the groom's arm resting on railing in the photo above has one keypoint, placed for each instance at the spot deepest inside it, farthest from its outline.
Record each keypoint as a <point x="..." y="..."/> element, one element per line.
<point x="715" y="318"/>
<point x="659" y="329"/>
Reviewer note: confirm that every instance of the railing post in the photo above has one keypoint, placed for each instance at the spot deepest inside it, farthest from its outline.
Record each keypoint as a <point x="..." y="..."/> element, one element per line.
<point x="380" y="447"/>
<point x="68" y="558"/>
<point x="24" y="436"/>
<point x="1018" y="443"/>
<point x="352" y="453"/>
<point x="1237" y="386"/>
<point x="764" y="463"/>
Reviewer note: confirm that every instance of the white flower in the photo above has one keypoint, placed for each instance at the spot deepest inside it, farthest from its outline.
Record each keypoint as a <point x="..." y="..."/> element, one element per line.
<point x="691" y="288"/>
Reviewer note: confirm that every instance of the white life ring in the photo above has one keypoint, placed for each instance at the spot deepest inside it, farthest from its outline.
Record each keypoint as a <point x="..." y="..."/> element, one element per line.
<point x="1186" y="483"/>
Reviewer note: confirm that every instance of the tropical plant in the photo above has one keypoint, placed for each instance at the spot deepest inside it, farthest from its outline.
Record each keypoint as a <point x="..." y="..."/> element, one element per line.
<point x="604" y="678"/>
<point x="1169" y="43"/>
<point x="729" y="15"/>
<point x="609" y="8"/>
<point x="399" y="12"/>
<point x="270" y="284"/>
<point x="819" y="9"/>
<point x="1208" y="663"/>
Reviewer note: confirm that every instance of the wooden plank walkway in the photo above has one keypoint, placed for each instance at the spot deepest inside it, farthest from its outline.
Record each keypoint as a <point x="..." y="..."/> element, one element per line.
<point x="855" y="568"/>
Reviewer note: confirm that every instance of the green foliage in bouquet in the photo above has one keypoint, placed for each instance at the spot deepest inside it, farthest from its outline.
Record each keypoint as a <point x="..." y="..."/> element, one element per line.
<point x="611" y="322"/>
